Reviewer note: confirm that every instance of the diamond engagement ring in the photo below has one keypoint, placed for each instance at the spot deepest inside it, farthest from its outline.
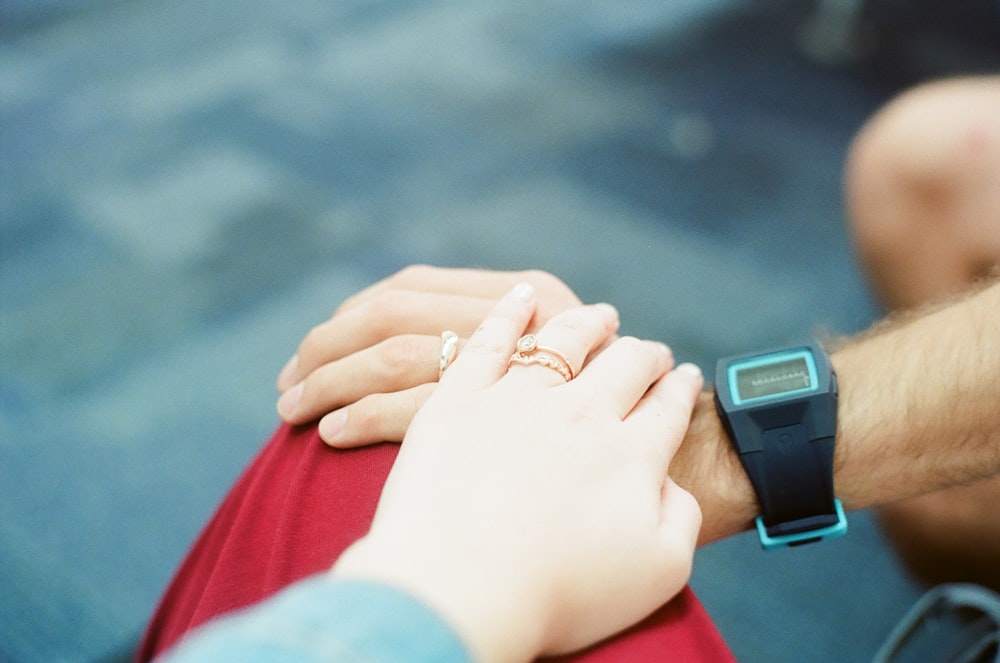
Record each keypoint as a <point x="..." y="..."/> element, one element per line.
<point x="529" y="352"/>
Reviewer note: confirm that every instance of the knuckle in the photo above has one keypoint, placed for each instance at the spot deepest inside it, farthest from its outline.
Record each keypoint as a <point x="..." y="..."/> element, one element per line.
<point x="537" y="276"/>
<point x="311" y="346"/>
<point x="400" y="355"/>
<point x="318" y="388"/>
<point x="386" y="307"/>
<point x="583" y="414"/>
<point x="379" y="312"/>
<point x="386" y="417"/>
<point x="364" y="417"/>
<point x="578" y="334"/>
<point x="412" y="273"/>
<point x="586" y="320"/>
<point x="551" y="285"/>
<point x="540" y="277"/>
<point x="634" y="346"/>
<point x="348" y="304"/>
<point x="408" y="278"/>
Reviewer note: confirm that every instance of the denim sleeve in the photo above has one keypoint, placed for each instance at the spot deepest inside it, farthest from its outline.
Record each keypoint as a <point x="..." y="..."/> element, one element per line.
<point x="320" y="619"/>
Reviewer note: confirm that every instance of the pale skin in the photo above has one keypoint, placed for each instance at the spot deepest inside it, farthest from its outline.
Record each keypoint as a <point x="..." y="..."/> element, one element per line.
<point x="520" y="501"/>
<point x="917" y="396"/>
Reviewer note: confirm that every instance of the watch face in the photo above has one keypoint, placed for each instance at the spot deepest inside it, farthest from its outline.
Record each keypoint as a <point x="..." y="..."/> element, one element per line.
<point x="772" y="376"/>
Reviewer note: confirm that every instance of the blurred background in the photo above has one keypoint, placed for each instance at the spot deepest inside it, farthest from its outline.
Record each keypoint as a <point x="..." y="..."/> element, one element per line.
<point x="188" y="187"/>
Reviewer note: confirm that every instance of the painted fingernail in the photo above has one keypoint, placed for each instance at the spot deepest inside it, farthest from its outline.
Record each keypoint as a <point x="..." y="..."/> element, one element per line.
<point x="332" y="426"/>
<point x="289" y="400"/>
<point x="690" y="369"/>
<point x="288" y="374"/>
<point x="524" y="292"/>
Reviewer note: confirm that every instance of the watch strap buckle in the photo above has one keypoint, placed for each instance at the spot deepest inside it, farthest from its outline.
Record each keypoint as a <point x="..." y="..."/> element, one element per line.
<point x="771" y="538"/>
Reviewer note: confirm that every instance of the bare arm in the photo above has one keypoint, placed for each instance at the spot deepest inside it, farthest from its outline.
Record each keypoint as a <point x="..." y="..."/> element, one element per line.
<point x="919" y="410"/>
<point x="922" y="403"/>
<point x="919" y="394"/>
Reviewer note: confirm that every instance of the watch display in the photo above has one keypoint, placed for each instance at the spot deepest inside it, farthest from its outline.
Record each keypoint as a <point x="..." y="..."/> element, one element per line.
<point x="779" y="409"/>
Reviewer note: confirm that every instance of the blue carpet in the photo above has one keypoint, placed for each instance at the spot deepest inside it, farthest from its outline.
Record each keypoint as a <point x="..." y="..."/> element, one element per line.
<point x="188" y="187"/>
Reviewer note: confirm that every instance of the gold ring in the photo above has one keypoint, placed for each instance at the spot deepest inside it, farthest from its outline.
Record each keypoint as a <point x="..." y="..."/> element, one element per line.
<point x="529" y="352"/>
<point x="449" y="349"/>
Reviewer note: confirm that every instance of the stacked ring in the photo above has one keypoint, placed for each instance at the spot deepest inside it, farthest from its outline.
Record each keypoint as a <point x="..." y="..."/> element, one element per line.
<point x="529" y="352"/>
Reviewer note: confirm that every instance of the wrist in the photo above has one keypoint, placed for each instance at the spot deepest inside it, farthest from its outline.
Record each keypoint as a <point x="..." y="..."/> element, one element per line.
<point x="707" y="466"/>
<point x="495" y="619"/>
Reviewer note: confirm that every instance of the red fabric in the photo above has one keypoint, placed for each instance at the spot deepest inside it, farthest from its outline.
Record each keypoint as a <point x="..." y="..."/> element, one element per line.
<point x="300" y="504"/>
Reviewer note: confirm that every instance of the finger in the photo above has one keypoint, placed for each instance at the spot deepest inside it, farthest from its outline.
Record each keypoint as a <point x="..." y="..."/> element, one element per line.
<point x="395" y="364"/>
<point x="441" y="280"/>
<point x="483" y="361"/>
<point x="619" y="376"/>
<point x="390" y="313"/>
<point x="560" y="348"/>
<point x="476" y="283"/>
<point x="374" y="419"/>
<point x="665" y="413"/>
<point x="456" y="288"/>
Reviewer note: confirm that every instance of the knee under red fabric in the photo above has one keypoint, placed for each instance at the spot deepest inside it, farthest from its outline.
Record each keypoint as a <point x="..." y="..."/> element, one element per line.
<point x="300" y="504"/>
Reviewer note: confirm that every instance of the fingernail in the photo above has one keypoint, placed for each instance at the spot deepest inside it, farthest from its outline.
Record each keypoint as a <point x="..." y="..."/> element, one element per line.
<point x="332" y="425"/>
<point x="523" y="291"/>
<point x="690" y="369"/>
<point x="610" y="310"/>
<point x="288" y="374"/>
<point x="289" y="400"/>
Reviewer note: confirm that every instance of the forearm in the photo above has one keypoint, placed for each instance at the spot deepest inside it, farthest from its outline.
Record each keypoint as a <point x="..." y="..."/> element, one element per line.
<point x="920" y="403"/>
<point x="320" y="619"/>
<point x="919" y="410"/>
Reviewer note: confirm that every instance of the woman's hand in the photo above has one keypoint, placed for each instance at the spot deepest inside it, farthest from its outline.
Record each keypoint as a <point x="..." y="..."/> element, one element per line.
<point x="536" y="514"/>
<point x="368" y="369"/>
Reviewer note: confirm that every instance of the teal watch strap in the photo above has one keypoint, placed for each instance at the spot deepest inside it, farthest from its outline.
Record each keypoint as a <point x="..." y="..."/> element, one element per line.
<point x="779" y="409"/>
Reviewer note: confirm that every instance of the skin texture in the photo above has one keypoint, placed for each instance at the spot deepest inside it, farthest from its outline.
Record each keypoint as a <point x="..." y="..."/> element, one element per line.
<point x="907" y="389"/>
<point x="923" y="192"/>
<point x="513" y="527"/>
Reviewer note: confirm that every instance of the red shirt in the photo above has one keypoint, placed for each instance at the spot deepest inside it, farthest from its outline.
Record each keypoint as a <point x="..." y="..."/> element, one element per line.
<point x="300" y="504"/>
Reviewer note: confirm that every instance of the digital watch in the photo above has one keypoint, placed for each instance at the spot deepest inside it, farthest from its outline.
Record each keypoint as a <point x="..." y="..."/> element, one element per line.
<point x="780" y="411"/>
